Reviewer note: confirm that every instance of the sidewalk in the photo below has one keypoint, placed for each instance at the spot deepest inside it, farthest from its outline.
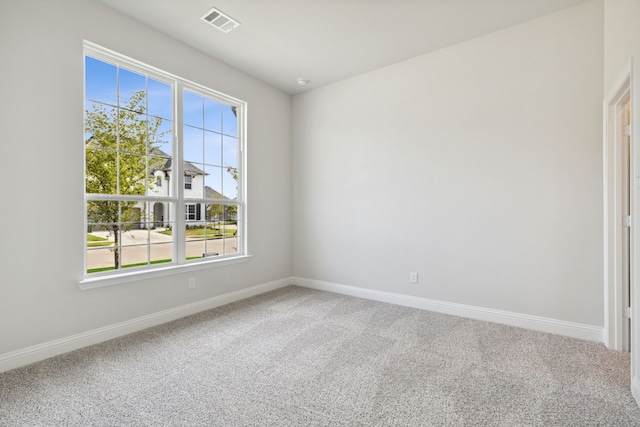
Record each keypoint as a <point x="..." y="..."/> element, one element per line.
<point x="137" y="237"/>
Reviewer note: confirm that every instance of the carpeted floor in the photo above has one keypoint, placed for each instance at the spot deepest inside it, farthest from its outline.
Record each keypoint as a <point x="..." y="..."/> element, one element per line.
<point x="299" y="357"/>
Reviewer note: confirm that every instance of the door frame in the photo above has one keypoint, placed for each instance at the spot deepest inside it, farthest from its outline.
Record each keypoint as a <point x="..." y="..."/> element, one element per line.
<point x="613" y="203"/>
<point x="612" y="327"/>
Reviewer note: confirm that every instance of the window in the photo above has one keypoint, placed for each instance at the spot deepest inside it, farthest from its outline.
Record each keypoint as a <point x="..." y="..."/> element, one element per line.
<point x="143" y="127"/>
<point x="192" y="212"/>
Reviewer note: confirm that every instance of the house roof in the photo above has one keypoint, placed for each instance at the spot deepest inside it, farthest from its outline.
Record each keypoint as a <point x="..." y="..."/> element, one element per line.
<point x="210" y="193"/>
<point x="189" y="168"/>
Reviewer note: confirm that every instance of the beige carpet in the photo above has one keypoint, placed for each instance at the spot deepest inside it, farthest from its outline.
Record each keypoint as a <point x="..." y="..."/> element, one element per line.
<point x="298" y="357"/>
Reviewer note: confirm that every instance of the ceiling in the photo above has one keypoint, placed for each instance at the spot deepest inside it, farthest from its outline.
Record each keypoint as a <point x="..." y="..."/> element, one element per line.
<point x="324" y="41"/>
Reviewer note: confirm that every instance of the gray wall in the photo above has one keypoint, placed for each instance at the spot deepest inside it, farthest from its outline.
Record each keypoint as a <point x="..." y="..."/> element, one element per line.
<point x="41" y="113"/>
<point x="478" y="166"/>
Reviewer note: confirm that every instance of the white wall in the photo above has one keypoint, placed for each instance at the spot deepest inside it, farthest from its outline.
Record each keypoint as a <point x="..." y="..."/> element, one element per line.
<point x="622" y="38"/>
<point x="41" y="117"/>
<point x="478" y="166"/>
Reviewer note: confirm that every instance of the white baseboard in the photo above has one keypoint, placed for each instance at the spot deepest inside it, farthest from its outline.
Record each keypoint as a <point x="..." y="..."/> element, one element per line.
<point x="635" y="389"/>
<point x="49" y="349"/>
<point x="543" y="324"/>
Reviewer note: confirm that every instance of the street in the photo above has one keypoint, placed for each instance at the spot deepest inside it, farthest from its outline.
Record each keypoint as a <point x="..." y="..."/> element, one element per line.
<point x="140" y="246"/>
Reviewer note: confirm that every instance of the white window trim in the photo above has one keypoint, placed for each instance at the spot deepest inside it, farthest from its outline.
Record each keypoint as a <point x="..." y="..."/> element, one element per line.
<point x="179" y="264"/>
<point x="91" y="282"/>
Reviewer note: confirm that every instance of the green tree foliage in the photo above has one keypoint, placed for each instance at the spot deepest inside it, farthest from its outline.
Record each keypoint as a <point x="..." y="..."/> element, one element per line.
<point x="121" y="152"/>
<point x="217" y="212"/>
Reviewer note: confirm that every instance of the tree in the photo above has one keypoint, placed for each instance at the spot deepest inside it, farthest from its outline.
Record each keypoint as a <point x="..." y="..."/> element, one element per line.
<point x="221" y="212"/>
<point x="118" y="161"/>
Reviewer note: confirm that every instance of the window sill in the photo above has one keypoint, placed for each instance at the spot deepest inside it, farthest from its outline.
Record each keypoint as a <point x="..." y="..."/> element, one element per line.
<point x="131" y="276"/>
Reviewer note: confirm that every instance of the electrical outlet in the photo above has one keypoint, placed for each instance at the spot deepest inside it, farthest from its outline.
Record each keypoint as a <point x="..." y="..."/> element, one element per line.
<point x="192" y="282"/>
<point x="413" y="277"/>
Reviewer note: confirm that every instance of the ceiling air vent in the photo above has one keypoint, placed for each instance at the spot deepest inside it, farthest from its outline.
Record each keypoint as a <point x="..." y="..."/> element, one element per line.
<point x="218" y="19"/>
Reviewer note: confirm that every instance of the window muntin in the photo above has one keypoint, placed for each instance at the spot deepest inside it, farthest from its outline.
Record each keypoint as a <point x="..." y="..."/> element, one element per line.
<point x="131" y="148"/>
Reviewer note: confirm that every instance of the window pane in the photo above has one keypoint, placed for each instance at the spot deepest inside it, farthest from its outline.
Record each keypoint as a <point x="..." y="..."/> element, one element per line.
<point x="222" y="229"/>
<point x="163" y="136"/>
<point x="213" y="179"/>
<point x="160" y="99"/>
<point x="230" y="153"/>
<point x="193" y="143"/>
<point x="231" y="246"/>
<point x="214" y="214"/>
<point x="103" y="239"/>
<point x="212" y="115"/>
<point x="158" y="184"/>
<point x="159" y="164"/>
<point x="132" y="219"/>
<point x="213" y="148"/>
<point x="231" y="216"/>
<point x="101" y="127"/>
<point x="100" y="81"/>
<point x="100" y="259"/>
<point x="229" y="121"/>
<point x="133" y="132"/>
<point x="229" y="185"/>
<point x="195" y="248"/>
<point x="161" y="217"/>
<point x="133" y="174"/>
<point x="192" y="109"/>
<point x="230" y="160"/>
<point x="197" y="180"/>
<point x="101" y="171"/>
<point x="210" y="193"/>
<point x="135" y="256"/>
<point x="161" y="253"/>
<point x="157" y="135"/>
<point x="103" y="215"/>
<point x="133" y="91"/>
<point x="131" y="214"/>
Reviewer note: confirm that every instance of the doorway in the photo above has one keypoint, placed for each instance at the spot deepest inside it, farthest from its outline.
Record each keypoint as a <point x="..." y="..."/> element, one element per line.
<point x="618" y="213"/>
<point x="158" y="214"/>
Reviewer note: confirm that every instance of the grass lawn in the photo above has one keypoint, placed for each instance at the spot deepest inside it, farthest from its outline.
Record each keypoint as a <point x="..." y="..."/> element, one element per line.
<point x="95" y="241"/>
<point x="208" y="233"/>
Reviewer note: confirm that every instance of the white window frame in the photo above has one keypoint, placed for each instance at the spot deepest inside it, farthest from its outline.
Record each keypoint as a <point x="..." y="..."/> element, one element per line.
<point x="179" y="263"/>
